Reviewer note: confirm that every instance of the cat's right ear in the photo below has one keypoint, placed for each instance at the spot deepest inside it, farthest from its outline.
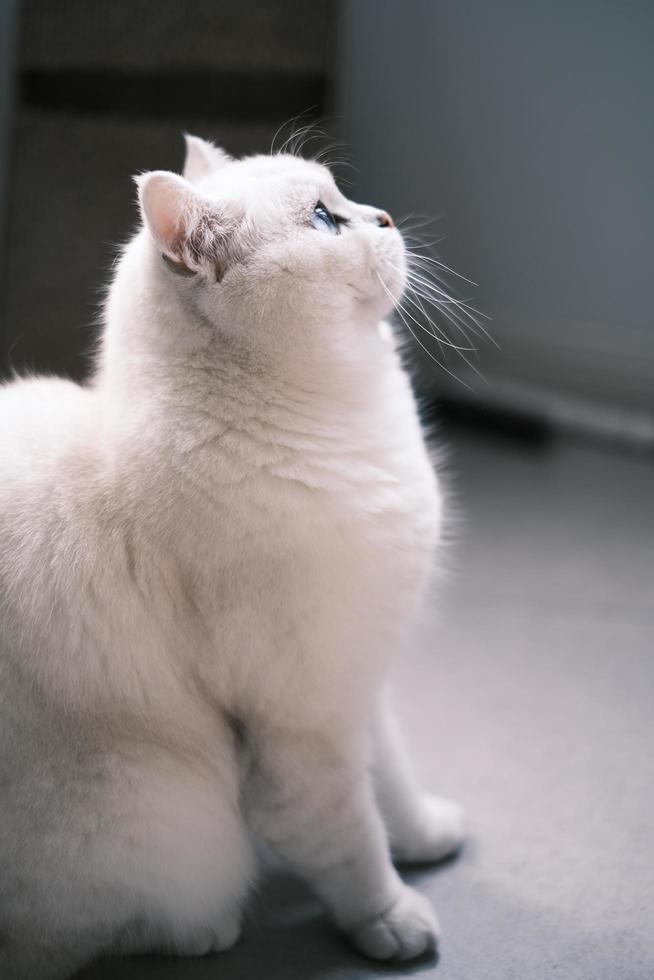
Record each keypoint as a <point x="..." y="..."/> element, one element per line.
<point x="187" y="227"/>
<point x="202" y="158"/>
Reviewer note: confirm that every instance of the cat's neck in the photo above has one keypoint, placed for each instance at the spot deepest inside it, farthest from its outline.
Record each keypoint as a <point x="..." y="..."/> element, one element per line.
<point x="184" y="432"/>
<point x="167" y="374"/>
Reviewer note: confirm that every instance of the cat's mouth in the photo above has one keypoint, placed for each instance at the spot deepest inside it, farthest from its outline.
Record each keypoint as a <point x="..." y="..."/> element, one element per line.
<point x="382" y="286"/>
<point x="390" y="278"/>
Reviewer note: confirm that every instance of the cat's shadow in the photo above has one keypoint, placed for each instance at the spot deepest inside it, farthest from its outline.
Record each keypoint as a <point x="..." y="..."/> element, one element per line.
<point x="286" y="936"/>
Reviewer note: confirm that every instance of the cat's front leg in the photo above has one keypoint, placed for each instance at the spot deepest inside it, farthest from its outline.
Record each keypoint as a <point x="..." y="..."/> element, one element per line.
<point x="421" y="827"/>
<point x="309" y="797"/>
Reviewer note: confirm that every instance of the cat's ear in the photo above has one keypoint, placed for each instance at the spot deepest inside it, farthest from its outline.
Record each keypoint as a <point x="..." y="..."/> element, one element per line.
<point x="202" y="158"/>
<point x="188" y="228"/>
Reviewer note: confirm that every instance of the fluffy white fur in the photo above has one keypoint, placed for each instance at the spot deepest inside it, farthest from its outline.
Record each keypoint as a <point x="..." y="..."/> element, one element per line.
<point x="207" y="557"/>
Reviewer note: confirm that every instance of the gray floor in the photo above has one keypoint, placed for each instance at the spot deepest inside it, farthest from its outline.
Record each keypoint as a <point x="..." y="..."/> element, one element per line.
<point x="530" y="698"/>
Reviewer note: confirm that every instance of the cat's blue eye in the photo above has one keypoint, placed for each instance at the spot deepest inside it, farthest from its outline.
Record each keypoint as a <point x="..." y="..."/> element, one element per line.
<point x="324" y="220"/>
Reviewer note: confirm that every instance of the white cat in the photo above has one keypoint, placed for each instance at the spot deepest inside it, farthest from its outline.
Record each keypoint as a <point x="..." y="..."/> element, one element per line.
<point x="207" y="557"/>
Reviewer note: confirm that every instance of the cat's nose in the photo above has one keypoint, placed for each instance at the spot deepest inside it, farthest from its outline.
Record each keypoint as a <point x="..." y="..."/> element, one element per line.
<point x="384" y="220"/>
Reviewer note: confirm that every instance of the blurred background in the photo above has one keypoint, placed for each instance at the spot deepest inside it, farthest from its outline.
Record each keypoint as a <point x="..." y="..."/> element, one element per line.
<point x="525" y="130"/>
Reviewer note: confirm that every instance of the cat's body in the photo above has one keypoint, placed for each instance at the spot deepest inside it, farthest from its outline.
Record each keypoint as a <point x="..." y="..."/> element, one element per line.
<point x="207" y="558"/>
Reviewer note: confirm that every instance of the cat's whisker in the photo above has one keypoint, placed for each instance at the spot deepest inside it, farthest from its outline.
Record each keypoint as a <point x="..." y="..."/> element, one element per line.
<point x="415" y="298"/>
<point x="427" y="288"/>
<point x="457" y="319"/>
<point x="448" y="343"/>
<point x="458" y="323"/>
<point x="441" y="265"/>
<point x="429" y="353"/>
<point x="450" y="316"/>
<point x="300" y="137"/>
<point x="308" y="138"/>
<point x="424" y="278"/>
<point x="464" y="307"/>
<point x="290" y="143"/>
<point x="279" y="129"/>
<point x="424" y="219"/>
<point x="412" y="296"/>
<point x="461" y="350"/>
<point x="334" y="145"/>
<point x="427" y="265"/>
<point x="293" y="123"/>
<point x="443" y="300"/>
<point x="453" y="321"/>
<point x="335" y="164"/>
<point x="432" y="333"/>
<point x="416" y="243"/>
<point x="433" y="284"/>
<point x="454" y="312"/>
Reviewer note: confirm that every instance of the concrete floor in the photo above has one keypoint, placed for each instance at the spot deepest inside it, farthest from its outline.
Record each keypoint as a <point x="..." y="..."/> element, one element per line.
<point x="530" y="698"/>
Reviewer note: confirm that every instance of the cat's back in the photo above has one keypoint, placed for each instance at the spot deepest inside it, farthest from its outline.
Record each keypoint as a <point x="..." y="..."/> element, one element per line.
<point x="47" y="442"/>
<point x="45" y="423"/>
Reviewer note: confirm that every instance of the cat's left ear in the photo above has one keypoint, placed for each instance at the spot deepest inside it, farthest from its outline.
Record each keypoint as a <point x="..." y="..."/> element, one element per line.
<point x="202" y="158"/>
<point x="189" y="229"/>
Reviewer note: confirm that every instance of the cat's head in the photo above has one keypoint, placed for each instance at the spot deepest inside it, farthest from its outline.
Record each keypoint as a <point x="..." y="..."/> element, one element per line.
<point x="267" y="243"/>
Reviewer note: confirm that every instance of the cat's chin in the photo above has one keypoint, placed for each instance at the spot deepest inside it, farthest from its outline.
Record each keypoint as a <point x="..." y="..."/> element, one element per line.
<point x="375" y="308"/>
<point x="380" y="295"/>
<point x="388" y="296"/>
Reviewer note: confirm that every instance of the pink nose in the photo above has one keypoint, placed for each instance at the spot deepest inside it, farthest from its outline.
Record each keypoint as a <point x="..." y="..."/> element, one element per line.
<point x="384" y="220"/>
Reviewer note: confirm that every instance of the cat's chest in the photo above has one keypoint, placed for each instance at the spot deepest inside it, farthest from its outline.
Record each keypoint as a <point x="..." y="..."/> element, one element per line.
<point x="389" y="490"/>
<point x="362" y="518"/>
<point x="339" y="523"/>
<point x="312" y="570"/>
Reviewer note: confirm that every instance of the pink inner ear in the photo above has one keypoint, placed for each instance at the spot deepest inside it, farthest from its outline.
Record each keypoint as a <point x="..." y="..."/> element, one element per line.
<point x="171" y="226"/>
<point x="167" y="205"/>
<point x="186" y="226"/>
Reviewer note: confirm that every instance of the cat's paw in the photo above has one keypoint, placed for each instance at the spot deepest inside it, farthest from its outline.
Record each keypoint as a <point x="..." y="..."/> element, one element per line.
<point x="407" y="929"/>
<point x="437" y="831"/>
<point x="227" y="933"/>
<point x="205" y="942"/>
